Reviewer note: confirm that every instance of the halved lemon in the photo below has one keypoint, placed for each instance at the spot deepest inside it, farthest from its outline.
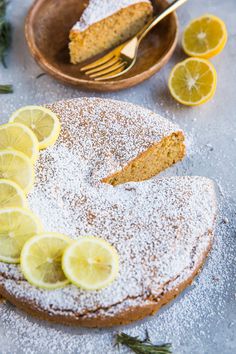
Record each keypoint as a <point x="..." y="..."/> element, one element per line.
<point x="44" y="123"/>
<point x="204" y="37"/>
<point x="90" y="263"/>
<point x="193" y="81"/>
<point x="41" y="260"/>
<point x="19" y="137"/>
<point x="17" y="225"/>
<point x="11" y="195"/>
<point x="17" y="167"/>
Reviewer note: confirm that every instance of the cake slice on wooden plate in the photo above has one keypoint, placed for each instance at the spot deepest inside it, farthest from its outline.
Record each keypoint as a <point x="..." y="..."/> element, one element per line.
<point x="105" y="24"/>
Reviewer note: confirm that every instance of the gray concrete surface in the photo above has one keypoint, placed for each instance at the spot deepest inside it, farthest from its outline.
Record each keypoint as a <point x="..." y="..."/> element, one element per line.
<point x="203" y="319"/>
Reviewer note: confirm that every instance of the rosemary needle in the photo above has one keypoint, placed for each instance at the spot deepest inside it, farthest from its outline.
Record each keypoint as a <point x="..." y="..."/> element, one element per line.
<point x="139" y="346"/>
<point x="6" y="89"/>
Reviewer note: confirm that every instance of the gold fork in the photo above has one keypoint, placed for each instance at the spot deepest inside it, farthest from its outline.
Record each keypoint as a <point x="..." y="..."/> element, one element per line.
<point x="121" y="59"/>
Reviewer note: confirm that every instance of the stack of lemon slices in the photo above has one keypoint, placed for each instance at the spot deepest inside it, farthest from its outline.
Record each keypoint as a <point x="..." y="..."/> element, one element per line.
<point x="193" y="81"/>
<point x="48" y="260"/>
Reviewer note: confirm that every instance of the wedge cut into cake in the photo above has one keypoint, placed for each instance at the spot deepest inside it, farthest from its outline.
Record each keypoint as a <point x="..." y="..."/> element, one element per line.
<point x="105" y="24"/>
<point x="162" y="228"/>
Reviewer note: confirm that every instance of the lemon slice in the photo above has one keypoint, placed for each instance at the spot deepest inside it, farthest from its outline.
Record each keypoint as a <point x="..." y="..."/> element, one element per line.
<point x="41" y="260"/>
<point x="17" y="167"/>
<point x="42" y="121"/>
<point x="204" y="37"/>
<point x="90" y="263"/>
<point x="17" y="225"/>
<point x="193" y="81"/>
<point x="19" y="137"/>
<point x="11" y="195"/>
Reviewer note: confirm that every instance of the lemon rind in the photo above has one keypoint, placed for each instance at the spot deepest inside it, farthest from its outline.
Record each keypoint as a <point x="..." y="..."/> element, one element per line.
<point x="213" y="51"/>
<point x="205" y="98"/>
<point x="33" y="137"/>
<point x="84" y="285"/>
<point x="52" y="138"/>
<point x="20" y="154"/>
<point x="24" y="268"/>
<point x="25" y="212"/>
<point x="19" y="191"/>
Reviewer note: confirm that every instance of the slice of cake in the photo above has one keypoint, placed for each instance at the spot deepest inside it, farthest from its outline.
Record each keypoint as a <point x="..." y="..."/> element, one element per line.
<point x="105" y="24"/>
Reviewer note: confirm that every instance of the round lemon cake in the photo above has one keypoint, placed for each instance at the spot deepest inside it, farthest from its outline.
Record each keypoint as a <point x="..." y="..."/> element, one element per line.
<point x="99" y="180"/>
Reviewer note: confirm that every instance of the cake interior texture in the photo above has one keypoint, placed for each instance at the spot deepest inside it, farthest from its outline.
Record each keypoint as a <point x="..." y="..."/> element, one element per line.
<point x="108" y="32"/>
<point x="152" y="161"/>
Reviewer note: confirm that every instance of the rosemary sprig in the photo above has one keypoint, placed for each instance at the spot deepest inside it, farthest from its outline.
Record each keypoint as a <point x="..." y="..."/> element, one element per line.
<point x="6" y="89"/>
<point x="5" y="32"/>
<point x="40" y="75"/>
<point x="139" y="346"/>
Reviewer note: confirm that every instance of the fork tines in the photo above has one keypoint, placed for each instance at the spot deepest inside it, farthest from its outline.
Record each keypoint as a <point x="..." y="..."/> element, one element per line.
<point x="105" y="68"/>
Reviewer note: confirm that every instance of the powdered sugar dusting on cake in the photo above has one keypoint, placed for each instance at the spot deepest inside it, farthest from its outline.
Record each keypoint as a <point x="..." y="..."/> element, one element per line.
<point x="97" y="10"/>
<point x="161" y="227"/>
<point x="192" y="313"/>
<point x="108" y="133"/>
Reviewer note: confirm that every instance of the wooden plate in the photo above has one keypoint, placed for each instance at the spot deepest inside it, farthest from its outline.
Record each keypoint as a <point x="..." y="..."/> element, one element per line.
<point x="47" y="31"/>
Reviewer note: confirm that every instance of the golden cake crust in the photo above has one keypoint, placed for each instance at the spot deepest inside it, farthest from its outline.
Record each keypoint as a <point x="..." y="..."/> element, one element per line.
<point x="130" y="314"/>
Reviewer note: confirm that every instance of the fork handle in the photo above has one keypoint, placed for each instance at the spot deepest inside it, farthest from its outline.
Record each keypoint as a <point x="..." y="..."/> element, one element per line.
<point x="154" y="21"/>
